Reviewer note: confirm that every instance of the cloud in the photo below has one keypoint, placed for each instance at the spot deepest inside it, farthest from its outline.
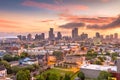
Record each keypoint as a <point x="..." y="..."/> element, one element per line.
<point x="114" y="24"/>
<point x="55" y="7"/>
<point x="47" y="20"/>
<point x="8" y="26"/>
<point x="72" y="25"/>
<point x="78" y="18"/>
<point x="8" y="21"/>
<point x="97" y="20"/>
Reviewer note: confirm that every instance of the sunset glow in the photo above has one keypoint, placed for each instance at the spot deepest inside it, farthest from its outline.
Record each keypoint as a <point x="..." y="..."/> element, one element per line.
<point x="20" y="16"/>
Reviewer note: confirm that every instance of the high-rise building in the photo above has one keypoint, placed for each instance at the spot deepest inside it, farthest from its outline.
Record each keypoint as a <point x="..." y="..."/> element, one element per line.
<point x="36" y="37"/>
<point x="42" y="36"/>
<point x="111" y="36"/>
<point x="59" y="35"/>
<point x="83" y="36"/>
<point x="116" y="36"/>
<point x="51" y="34"/>
<point x="97" y="35"/>
<point x="29" y="37"/>
<point x="23" y="37"/>
<point x="107" y="37"/>
<point x="75" y="33"/>
<point x="19" y="37"/>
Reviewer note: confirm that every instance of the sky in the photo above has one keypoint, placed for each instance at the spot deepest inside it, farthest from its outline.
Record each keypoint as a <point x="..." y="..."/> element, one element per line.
<point x="37" y="16"/>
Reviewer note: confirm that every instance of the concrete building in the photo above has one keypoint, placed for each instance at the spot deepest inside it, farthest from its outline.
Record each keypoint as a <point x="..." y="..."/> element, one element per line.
<point x="75" y="33"/>
<point x="92" y="71"/>
<point x="3" y="73"/>
<point x="29" y="37"/>
<point x="59" y="35"/>
<point x="51" y="34"/>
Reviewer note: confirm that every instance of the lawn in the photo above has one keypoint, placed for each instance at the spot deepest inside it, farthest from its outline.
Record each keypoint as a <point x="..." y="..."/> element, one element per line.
<point x="58" y="72"/>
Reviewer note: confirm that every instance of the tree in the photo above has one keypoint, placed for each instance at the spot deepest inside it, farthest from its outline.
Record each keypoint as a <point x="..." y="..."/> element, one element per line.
<point x="24" y="54"/>
<point x="53" y="77"/>
<point x="40" y="77"/>
<point x="67" y="77"/>
<point x="91" y="54"/>
<point x="27" y="72"/>
<point x="7" y="66"/>
<point x="8" y="57"/>
<point x="101" y="59"/>
<point x="81" y="75"/>
<point x="23" y="75"/>
<point x="104" y="75"/>
<point x="16" y="58"/>
<point x="98" y="62"/>
<point x="58" y="55"/>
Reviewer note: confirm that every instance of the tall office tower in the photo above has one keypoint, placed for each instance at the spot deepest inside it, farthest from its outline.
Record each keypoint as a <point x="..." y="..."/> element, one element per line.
<point x="101" y="37"/>
<point x="19" y="37"/>
<point x="83" y="36"/>
<point x="111" y="36"/>
<point x="75" y="33"/>
<point x="42" y="36"/>
<point x="51" y="34"/>
<point x="116" y="36"/>
<point x="59" y="35"/>
<point x="36" y="37"/>
<point x="23" y="37"/>
<point x="29" y="37"/>
<point x="97" y="35"/>
<point x="107" y="37"/>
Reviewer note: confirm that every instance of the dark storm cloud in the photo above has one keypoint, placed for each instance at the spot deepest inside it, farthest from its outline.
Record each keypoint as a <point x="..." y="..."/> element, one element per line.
<point x="72" y="25"/>
<point x="114" y="24"/>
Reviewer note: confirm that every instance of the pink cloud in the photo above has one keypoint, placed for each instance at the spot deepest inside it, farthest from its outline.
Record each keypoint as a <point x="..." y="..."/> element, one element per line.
<point x="8" y="26"/>
<point x="77" y="18"/>
<point x="105" y="0"/>
<point x="47" y="20"/>
<point x="8" y="21"/>
<point x="54" y="6"/>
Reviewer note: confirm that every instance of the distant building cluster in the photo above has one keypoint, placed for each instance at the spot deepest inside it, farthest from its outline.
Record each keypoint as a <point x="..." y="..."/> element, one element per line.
<point x="59" y="36"/>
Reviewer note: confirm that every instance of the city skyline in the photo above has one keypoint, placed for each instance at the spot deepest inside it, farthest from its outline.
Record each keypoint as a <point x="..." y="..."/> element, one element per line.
<point x="37" y="16"/>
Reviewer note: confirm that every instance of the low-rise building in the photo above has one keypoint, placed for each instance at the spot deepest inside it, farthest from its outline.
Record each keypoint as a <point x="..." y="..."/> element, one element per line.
<point x="14" y="63"/>
<point x="28" y="61"/>
<point x="92" y="71"/>
<point x="3" y="73"/>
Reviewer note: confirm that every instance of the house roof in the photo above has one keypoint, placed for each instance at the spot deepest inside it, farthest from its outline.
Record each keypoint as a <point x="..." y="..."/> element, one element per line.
<point x="2" y="67"/>
<point x="99" y="67"/>
<point x="41" y="56"/>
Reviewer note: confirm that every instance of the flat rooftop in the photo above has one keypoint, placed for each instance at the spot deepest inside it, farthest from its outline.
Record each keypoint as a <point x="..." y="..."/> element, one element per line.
<point x="99" y="67"/>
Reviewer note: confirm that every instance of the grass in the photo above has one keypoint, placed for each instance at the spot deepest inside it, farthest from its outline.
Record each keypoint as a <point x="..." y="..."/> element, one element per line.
<point x="58" y="71"/>
<point x="74" y="75"/>
<point x="62" y="72"/>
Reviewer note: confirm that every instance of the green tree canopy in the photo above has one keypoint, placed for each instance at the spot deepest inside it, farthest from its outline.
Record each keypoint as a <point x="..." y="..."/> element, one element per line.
<point x="40" y="77"/>
<point x="81" y="75"/>
<point x="67" y="77"/>
<point x="58" y="55"/>
<point x="104" y="75"/>
<point x="8" y="57"/>
<point x="23" y="75"/>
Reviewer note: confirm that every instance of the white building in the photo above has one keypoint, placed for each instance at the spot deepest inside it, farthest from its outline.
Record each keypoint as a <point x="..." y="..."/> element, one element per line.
<point x="92" y="71"/>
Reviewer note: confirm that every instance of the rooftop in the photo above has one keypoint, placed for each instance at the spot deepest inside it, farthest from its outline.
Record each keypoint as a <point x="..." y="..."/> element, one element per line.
<point x="99" y="67"/>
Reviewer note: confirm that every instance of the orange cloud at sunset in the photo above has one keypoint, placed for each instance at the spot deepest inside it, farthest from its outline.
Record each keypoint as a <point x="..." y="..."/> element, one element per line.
<point x="8" y="21"/>
<point x="54" y="6"/>
<point x="87" y="19"/>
